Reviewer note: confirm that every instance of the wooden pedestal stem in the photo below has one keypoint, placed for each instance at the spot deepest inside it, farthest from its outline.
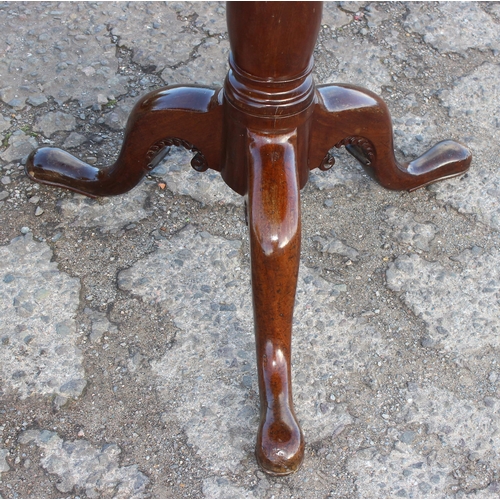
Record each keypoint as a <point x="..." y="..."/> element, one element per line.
<point x="263" y="131"/>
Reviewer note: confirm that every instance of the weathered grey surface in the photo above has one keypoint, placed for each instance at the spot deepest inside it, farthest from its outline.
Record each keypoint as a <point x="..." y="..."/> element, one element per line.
<point x="79" y="464"/>
<point x="127" y="364"/>
<point x="472" y="28"/>
<point x="4" y="466"/>
<point x="19" y="146"/>
<point x="474" y="102"/>
<point x="109" y="214"/>
<point x="208" y="189"/>
<point x="459" y="307"/>
<point x="66" y="53"/>
<point x="38" y="331"/>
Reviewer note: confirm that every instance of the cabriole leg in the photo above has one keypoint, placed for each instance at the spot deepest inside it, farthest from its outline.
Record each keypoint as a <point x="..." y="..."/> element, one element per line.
<point x="178" y="115"/>
<point x="274" y="225"/>
<point x="358" y="119"/>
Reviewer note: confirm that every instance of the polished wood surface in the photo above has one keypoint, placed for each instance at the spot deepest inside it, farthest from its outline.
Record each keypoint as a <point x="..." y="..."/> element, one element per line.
<point x="264" y="131"/>
<point x="358" y="119"/>
<point x="274" y="223"/>
<point x="179" y="115"/>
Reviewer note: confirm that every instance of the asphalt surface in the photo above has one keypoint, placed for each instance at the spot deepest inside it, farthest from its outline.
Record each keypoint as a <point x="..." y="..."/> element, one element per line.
<point x="127" y="364"/>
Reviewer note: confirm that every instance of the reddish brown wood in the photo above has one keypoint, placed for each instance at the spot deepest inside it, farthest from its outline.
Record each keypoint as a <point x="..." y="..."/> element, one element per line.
<point x="179" y="115"/>
<point x="263" y="131"/>
<point x="274" y="223"/>
<point x="359" y="119"/>
<point x="269" y="100"/>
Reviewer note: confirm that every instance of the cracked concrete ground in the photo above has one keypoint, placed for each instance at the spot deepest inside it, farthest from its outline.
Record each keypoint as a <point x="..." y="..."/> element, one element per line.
<point x="127" y="364"/>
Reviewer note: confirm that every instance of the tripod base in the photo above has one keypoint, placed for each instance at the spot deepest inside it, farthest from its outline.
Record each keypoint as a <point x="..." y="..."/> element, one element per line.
<point x="264" y="131"/>
<point x="195" y="118"/>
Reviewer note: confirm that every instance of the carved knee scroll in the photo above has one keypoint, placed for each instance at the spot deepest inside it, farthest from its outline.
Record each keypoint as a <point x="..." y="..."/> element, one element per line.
<point x="160" y="149"/>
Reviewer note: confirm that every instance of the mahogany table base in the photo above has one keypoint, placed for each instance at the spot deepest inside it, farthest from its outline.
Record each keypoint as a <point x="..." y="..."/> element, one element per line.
<point x="264" y="130"/>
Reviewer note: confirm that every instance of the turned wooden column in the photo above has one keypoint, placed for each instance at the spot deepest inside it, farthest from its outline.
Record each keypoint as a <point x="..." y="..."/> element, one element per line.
<point x="264" y="130"/>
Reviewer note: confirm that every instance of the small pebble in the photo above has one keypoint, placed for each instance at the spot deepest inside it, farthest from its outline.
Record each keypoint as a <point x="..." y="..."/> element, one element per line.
<point x="39" y="211"/>
<point x="36" y="100"/>
<point x="25" y="230"/>
<point x="407" y="437"/>
<point x="16" y="103"/>
<point x="426" y="342"/>
<point x="490" y="402"/>
<point x="60" y="401"/>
